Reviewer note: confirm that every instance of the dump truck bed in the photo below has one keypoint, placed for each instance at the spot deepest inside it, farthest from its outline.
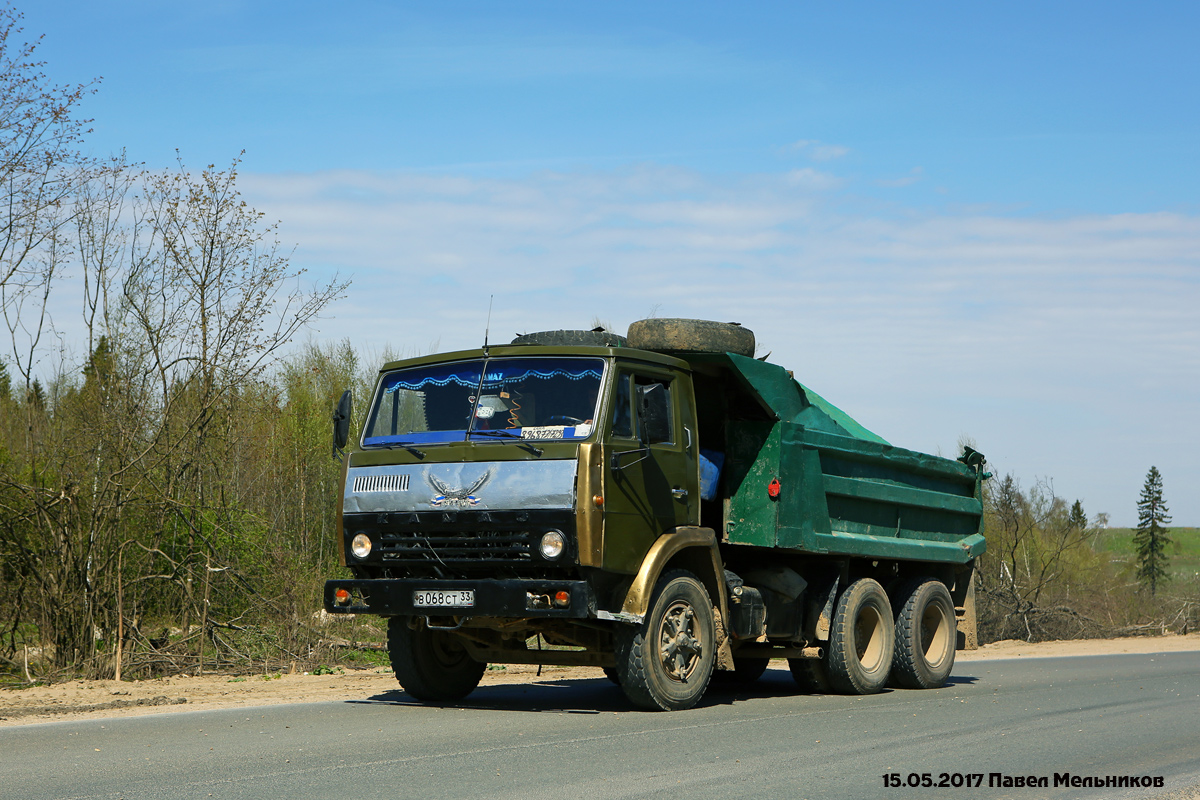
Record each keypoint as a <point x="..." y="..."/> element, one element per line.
<point x="842" y="490"/>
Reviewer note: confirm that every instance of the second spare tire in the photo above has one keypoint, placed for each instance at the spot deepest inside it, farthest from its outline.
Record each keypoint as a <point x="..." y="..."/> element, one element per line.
<point x="594" y="338"/>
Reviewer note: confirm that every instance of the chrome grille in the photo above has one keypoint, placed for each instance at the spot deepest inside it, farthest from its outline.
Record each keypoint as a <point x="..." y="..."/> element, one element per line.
<point x="380" y="483"/>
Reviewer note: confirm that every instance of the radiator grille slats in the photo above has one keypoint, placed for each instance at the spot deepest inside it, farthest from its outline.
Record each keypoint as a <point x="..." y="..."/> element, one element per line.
<point x="380" y="483"/>
<point x="456" y="547"/>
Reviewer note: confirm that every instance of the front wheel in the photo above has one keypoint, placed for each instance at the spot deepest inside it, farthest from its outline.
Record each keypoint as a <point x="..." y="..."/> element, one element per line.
<point x="745" y="672"/>
<point x="666" y="662"/>
<point x="431" y="665"/>
<point x="862" y="639"/>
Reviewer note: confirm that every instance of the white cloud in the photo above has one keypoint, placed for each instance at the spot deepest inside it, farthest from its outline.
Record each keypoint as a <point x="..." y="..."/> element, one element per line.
<point x="1060" y="345"/>
<point x="914" y="175"/>
<point x="817" y="151"/>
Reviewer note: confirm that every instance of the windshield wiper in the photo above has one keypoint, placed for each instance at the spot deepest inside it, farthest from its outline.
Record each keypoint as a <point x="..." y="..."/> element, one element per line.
<point x="537" y="451"/>
<point x="406" y="446"/>
<point x="500" y="432"/>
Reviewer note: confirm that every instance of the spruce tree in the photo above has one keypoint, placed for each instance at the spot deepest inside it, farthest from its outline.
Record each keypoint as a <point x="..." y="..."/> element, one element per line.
<point x="1078" y="518"/>
<point x="1151" y="538"/>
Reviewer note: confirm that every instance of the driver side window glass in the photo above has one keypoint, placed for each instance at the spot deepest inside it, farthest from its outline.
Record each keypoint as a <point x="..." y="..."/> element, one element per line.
<point x="622" y="409"/>
<point x="641" y="381"/>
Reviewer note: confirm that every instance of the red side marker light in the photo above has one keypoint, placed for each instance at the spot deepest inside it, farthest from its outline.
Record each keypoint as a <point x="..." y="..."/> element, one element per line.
<point x="562" y="599"/>
<point x="773" y="489"/>
<point x="341" y="596"/>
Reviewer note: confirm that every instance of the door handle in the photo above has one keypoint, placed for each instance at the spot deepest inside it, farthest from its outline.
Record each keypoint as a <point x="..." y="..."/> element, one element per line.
<point x="679" y="494"/>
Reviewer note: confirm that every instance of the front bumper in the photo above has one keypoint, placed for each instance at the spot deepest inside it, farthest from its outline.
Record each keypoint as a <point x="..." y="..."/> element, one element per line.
<point x="519" y="598"/>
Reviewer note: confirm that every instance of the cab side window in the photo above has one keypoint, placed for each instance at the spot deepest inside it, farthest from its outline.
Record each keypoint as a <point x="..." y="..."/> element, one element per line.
<point x="662" y="388"/>
<point x="622" y="425"/>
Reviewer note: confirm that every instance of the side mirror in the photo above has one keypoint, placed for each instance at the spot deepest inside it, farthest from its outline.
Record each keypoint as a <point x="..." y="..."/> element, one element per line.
<point x="341" y="423"/>
<point x="654" y="413"/>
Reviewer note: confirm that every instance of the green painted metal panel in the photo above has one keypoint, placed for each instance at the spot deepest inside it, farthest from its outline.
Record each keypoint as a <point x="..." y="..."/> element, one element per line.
<point x="852" y="544"/>
<point x="886" y="461"/>
<point x="900" y="495"/>
<point x="751" y="461"/>
<point x="840" y="418"/>
<point x="803" y="509"/>
<point x="855" y="497"/>
<point x="771" y="383"/>
<point x="786" y="399"/>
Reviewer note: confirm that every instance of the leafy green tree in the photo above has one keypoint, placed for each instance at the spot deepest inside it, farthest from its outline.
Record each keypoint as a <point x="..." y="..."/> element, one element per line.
<point x="1151" y="538"/>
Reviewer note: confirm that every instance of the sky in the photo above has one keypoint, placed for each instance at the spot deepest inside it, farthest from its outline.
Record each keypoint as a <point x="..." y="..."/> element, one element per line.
<point x="952" y="220"/>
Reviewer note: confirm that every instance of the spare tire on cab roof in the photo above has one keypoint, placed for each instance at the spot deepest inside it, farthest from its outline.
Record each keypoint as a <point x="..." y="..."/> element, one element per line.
<point x="569" y="338"/>
<point x="691" y="335"/>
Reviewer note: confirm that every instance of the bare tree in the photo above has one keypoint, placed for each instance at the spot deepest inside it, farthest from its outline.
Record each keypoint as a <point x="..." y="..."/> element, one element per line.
<point x="41" y="169"/>
<point x="210" y="301"/>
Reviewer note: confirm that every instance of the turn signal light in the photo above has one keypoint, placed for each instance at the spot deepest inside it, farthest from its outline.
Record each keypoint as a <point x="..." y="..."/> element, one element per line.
<point x="341" y="596"/>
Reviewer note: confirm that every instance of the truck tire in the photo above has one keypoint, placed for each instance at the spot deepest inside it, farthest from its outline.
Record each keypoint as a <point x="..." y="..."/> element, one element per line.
<point x="862" y="639"/>
<point x="431" y="665"/>
<point x="666" y="662"/>
<point x="691" y="335"/>
<point x="925" y="635"/>
<point x="749" y="670"/>
<point x="811" y="675"/>
<point x="745" y="672"/>
<point x="573" y="338"/>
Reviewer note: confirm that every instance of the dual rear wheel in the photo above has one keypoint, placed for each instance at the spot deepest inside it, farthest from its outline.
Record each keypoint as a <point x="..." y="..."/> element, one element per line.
<point x="926" y="635"/>
<point x="870" y="644"/>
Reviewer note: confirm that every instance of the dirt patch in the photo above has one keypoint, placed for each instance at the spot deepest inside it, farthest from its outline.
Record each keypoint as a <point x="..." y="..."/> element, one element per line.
<point x="1012" y="648"/>
<point x="101" y="699"/>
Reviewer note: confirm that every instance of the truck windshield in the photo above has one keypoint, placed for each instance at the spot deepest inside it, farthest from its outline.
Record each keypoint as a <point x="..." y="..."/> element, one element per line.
<point x="529" y="398"/>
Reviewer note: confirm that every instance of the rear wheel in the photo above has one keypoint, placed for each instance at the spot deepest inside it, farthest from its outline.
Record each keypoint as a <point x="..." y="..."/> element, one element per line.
<point x="862" y="639"/>
<point x="666" y="662"/>
<point x="811" y="675"/>
<point x="431" y="665"/>
<point x="925" y="636"/>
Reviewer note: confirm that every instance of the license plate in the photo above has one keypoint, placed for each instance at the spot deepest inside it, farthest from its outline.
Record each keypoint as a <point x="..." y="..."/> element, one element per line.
<point x="444" y="598"/>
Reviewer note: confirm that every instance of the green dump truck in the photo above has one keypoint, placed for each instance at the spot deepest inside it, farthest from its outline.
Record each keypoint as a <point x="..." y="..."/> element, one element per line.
<point x="663" y="506"/>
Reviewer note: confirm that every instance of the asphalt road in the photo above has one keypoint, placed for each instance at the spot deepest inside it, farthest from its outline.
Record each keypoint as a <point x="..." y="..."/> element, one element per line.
<point x="1134" y="715"/>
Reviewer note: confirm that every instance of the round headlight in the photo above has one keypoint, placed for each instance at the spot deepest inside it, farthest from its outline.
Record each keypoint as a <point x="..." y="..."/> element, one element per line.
<point x="361" y="546"/>
<point x="553" y="544"/>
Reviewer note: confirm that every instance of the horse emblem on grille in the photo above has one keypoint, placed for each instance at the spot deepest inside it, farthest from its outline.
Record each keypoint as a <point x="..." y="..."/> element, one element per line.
<point x="448" y="497"/>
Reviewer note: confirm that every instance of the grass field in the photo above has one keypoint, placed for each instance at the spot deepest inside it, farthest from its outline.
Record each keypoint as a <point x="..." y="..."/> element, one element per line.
<point x="1184" y="550"/>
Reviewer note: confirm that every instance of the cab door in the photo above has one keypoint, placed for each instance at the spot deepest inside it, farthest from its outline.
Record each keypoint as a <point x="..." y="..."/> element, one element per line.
<point x="651" y="469"/>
